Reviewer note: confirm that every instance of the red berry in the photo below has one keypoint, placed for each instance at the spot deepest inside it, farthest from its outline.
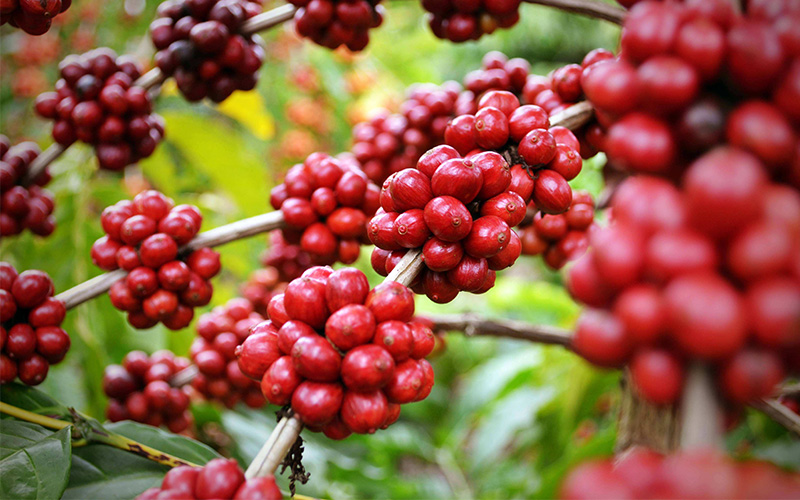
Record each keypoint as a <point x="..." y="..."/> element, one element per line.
<point x="345" y="286"/>
<point x="390" y="301"/>
<point x="601" y="339"/>
<point x="219" y="478"/>
<point x="280" y="380"/>
<point x="489" y="235"/>
<point x="305" y="301"/>
<point x="406" y="382"/>
<point x="364" y="412"/>
<point x="317" y="403"/>
<point x="204" y="262"/>
<point x="350" y="326"/>
<point x="551" y="193"/>
<point x="657" y="375"/>
<point x="31" y="288"/>
<point x="32" y="371"/>
<point x="448" y="218"/>
<point x="157" y="250"/>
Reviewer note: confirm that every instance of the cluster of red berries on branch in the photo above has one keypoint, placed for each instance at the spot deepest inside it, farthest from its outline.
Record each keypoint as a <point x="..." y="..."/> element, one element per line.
<point x="687" y="81"/>
<point x="642" y="473"/>
<point x="428" y="109"/>
<point x="460" y="21"/>
<point x="220" y="332"/>
<point x="144" y="237"/>
<point x="95" y="102"/>
<point x="333" y="23"/>
<point x="561" y="89"/>
<point x="460" y="212"/>
<point x="709" y="272"/>
<point x="343" y="356"/>
<point x="379" y="147"/>
<point x="497" y="72"/>
<point x="326" y="203"/>
<point x="139" y="389"/>
<point x="31" y="337"/>
<point x="200" y="43"/>
<point x="523" y="134"/>
<point x="34" y="17"/>
<point x="220" y="479"/>
<point x="282" y="263"/>
<point x="23" y="207"/>
<point x="563" y="237"/>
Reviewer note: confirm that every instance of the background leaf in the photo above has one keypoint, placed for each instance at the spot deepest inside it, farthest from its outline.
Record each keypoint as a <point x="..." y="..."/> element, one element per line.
<point x="35" y="461"/>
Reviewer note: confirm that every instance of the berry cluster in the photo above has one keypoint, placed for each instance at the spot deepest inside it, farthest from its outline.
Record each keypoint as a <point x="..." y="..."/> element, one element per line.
<point x="139" y="390"/>
<point x="344" y="356"/>
<point x="23" y="207"/>
<point x="34" y="17"/>
<point x="460" y="211"/>
<point x="522" y="132"/>
<point x="200" y="43"/>
<point x="462" y="21"/>
<point x="96" y="102"/>
<point x="143" y="237"/>
<point x="709" y="272"/>
<point x="220" y="478"/>
<point x="497" y="72"/>
<point x="332" y="23"/>
<point x="699" y="474"/>
<point x="282" y="263"/>
<point x="379" y="146"/>
<point x="686" y="82"/>
<point x="561" y="89"/>
<point x="563" y="237"/>
<point x="428" y="109"/>
<point x="325" y="202"/>
<point x="31" y="337"/>
<point x="220" y="332"/>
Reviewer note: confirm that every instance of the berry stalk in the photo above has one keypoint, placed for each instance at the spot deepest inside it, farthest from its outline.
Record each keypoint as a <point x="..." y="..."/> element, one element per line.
<point x="780" y="413"/>
<point x="701" y="416"/>
<point x="590" y="8"/>
<point x="473" y="324"/>
<point x="218" y="236"/>
<point x="277" y="446"/>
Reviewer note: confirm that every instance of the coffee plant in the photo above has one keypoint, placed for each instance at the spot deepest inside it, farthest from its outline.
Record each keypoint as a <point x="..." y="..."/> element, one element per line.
<point x="618" y="190"/>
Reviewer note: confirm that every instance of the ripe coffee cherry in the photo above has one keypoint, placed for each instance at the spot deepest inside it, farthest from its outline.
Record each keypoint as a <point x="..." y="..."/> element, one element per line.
<point x="396" y="337"/>
<point x="317" y="403"/>
<point x="220" y="478"/>
<point x="157" y="250"/>
<point x="305" y="301"/>
<point x="345" y="286"/>
<point x="551" y="193"/>
<point x="390" y="301"/>
<point x="448" y="218"/>
<point x="364" y="412"/>
<point x="409" y="189"/>
<point x="350" y="326"/>
<point x="488" y="237"/>
<point x="280" y="381"/>
<point x="706" y="315"/>
<point x="442" y="256"/>
<point x="657" y="375"/>
<point x="751" y="374"/>
<point x="315" y="359"/>
<point x="367" y="368"/>
<point x="601" y="338"/>
<point x="459" y="178"/>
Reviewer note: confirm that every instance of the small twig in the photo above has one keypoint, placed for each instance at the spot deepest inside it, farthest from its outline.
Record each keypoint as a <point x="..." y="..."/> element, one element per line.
<point x="590" y="8"/>
<point x="780" y="414"/>
<point x="184" y="376"/>
<point x="151" y="79"/>
<point x="701" y="416"/>
<point x="267" y="20"/>
<point x="218" y="236"/>
<point x="476" y="325"/>
<point x="408" y="268"/>
<point x="278" y="444"/>
<point x="574" y="117"/>
<point x="789" y="390"/>
<point x="40" y="163"/>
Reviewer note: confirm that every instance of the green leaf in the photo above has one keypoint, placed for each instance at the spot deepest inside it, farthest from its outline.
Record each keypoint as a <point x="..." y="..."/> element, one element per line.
<point x="101" y="471"/>
<point x="35" y="463"/>
<point x="33" y="400"/>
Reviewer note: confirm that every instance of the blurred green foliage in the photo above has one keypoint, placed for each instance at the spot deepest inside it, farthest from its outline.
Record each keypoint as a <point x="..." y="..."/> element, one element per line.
<point x="505" y="420"/>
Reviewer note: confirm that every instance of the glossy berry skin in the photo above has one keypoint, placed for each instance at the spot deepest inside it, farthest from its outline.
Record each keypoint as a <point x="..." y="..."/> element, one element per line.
<point x="317" y="403"/>
<point x="220" y="478"/>
<point x="601" y="339"/>
<point x="315" y="359"/>
<point x="551" y="193"/>
<point x="657" y="375"/>
<point x="448" y="218"/>
<point x="390" y="301"/>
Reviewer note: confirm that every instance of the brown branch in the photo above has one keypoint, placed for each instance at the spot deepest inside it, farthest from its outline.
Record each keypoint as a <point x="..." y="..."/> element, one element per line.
<point x="590" y="8"/>
<point x="574" y="117"/>
<point x="780" y="414"/>
<point x="269" y="19"/>
<point x="789" y="390"/>
<point x="642" y="423"/>
<point x="473" y="324"/>
<point x="224" y="234"/>
<point x="277" y="446"/>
